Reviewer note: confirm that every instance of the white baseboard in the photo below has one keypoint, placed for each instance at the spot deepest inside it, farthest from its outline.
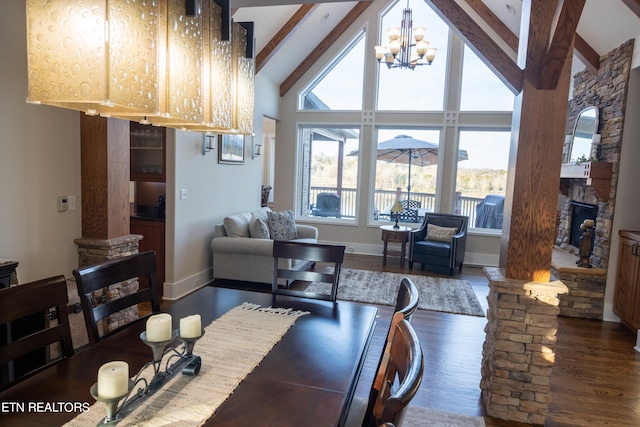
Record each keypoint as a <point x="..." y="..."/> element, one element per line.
<point x="174" y="291"/>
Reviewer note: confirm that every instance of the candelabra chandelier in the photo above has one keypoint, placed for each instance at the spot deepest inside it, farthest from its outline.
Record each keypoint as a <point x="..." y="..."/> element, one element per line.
<point x="399" y="52"/>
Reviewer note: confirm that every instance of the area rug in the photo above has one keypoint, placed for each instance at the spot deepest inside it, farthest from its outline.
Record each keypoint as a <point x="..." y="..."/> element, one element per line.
<point x="377" y="287"/>
<point x="426" y="417"/>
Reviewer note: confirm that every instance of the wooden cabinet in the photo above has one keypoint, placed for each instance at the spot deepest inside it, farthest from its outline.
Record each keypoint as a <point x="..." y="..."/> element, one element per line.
<point x="626" y="299"/>
<point x="153" y="240"/>
<point x="147" y="144"/>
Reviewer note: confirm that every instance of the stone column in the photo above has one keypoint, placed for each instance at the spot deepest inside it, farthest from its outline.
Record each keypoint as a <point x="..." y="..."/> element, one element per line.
<point x="105" y="205"/>
<point x="94" y="251"/>
<point x="519" y="349"/>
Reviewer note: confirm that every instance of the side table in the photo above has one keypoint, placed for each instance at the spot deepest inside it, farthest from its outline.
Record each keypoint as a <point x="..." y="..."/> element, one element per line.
<point x="394" y="235"/>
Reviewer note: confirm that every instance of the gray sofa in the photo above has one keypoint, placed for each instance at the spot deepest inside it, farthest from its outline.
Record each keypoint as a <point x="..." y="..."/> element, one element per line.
<point x="238" y="256"/>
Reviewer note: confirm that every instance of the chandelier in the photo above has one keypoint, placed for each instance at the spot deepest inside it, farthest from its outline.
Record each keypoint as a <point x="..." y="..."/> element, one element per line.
<point x="399" y="52"/>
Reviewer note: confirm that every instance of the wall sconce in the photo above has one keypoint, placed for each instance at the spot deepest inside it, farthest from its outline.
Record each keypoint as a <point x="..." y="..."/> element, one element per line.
<point x="208" y="143"/>
<point x="257" y="151"/>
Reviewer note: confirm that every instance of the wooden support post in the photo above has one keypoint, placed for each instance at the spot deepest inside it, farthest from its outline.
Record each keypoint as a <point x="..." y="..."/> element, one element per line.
<point x="538" y="128"/>
<point x="104" y="155"/>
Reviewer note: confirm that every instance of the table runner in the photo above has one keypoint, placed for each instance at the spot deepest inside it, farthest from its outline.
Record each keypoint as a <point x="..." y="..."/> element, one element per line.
<point x="232" y="346"/>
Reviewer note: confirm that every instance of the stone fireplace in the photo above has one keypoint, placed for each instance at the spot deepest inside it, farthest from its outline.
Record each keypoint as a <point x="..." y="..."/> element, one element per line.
<point x="579" y="213"/>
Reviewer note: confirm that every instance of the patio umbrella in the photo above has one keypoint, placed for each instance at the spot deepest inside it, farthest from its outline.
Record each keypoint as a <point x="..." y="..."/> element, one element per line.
<point x="410" y="151"/>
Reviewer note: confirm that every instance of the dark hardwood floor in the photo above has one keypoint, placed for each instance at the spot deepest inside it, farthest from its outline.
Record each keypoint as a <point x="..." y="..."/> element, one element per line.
<point x="595" y="380"/>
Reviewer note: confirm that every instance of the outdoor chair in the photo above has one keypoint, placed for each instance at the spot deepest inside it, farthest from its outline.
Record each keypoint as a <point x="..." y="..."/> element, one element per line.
<point x="439" y="242"/>
<point x="22" y="302"/>
<point x="313" y="252"/>
<point x="327" y="205"/>
<point x="410" y="213"/>
<point x="96" y="306"/>
<point x="396" y="383"/>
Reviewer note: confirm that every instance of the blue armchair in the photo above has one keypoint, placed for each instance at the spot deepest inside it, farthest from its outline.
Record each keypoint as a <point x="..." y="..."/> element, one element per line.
<point x="444" y="248"/>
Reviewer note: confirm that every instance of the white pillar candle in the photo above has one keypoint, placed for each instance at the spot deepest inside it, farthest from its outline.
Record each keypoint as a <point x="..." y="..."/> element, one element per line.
<point x="190" y="326"/>
<point x="159" y="328"/>
<point x="113" y="379"/>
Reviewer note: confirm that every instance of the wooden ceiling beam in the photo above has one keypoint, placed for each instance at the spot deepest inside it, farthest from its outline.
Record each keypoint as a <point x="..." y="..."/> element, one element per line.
<point x="478" y="40"/>
<point x="560" y="47"/>
<point x="634" y="5"/>
<point x="495" y="23"/>
<point x="586" y="54"/>
<point x="582" y="49"/>
<point x="325" y="44"/>
<point x="287" y="30"/>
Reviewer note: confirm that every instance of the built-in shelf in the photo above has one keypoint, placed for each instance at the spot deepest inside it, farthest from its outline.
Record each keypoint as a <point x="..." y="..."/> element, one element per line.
<point x="597" y="175"/>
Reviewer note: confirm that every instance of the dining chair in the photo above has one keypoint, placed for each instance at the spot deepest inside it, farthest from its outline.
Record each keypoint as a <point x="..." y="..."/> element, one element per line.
<point x="396" y="382"/>
<point x="99" y="277"/>
<point x="314" y="252"/>
<point x="406" y="304"/>
<point x="24" y="301"/>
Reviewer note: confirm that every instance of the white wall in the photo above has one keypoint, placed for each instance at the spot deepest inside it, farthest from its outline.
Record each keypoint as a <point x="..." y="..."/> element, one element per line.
<point x="627" y="208"/>
<point x="214" y="191"/>
<point x="39" y="161"/>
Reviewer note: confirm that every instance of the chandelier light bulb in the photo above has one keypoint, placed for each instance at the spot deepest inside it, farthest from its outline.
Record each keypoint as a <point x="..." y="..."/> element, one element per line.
<point x="422" y="47"/>
<point x="380" y="51"/>
<point x="393" y="33"/>
<point x="418" y="33"/>
<point x="394" y="47"/>
<point x="430" y="55"/>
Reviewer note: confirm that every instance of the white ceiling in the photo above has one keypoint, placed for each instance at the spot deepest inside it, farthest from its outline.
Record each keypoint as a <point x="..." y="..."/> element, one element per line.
<point x="604" y="25"/>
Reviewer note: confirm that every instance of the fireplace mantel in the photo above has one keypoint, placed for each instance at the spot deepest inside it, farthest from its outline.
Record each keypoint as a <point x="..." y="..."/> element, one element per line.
<point x="596" y="173"/>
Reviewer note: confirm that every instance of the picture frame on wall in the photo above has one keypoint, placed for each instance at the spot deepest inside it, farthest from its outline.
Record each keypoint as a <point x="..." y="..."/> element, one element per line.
<point x="231" y="149"/>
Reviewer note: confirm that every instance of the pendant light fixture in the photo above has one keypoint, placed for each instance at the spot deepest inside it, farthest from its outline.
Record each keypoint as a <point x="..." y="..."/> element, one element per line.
<point x="152" y="61"/>
<point x="399" y="52"/>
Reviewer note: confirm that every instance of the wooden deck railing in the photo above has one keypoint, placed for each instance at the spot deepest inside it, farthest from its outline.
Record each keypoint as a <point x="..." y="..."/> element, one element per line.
<point x="383" y="199"/>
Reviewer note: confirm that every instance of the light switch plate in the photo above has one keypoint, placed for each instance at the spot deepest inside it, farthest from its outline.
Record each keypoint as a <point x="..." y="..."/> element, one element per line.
<point x="63" y="204"/>
<point x="183" y="194"/>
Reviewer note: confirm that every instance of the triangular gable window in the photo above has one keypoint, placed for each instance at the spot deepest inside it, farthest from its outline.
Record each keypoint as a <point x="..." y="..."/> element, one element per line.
<point x="339" y="86"/>
<point x="482" y="90"/>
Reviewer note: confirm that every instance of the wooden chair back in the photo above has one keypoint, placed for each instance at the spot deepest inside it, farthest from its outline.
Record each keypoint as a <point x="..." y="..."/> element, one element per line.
<point x="314" y="252"/>
<point x="407" y="301"/>
<point x="21" y="301"/>
<point x="406" y="304"/>
<point x="101" y="276"/>
<point x="399" y="378"/>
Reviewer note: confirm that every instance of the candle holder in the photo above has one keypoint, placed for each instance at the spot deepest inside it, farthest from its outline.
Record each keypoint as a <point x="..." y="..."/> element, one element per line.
<point x="189" y="343"/>
<point x="111" y="403"/>
<point x="144" y="387"/>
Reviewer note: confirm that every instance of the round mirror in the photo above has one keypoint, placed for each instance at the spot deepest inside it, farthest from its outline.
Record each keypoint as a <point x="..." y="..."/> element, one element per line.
<point x="585" y="128"/>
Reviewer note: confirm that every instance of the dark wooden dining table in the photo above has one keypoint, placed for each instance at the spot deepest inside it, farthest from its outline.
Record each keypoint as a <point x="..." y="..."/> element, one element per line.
<point x="307" y="379"/>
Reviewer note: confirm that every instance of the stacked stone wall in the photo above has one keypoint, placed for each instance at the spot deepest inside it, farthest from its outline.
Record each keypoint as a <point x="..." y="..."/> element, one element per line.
<point x="519" y="352"/>
<point x="606" y="90"/>
<point x="95" y="251"/>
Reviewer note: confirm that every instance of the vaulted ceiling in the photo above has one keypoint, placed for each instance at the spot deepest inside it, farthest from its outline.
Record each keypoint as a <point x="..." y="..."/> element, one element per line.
<point x="290" y="35"/>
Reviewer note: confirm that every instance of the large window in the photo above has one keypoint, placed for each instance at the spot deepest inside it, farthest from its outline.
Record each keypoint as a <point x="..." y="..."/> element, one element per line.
<point x="482" y="90"/>
<point x="340" y="86"/>
<point x="423" y="87"/>
<point x="328" y="179"/>
<point x="482" y="178"/>
<point x="406" y="170"/>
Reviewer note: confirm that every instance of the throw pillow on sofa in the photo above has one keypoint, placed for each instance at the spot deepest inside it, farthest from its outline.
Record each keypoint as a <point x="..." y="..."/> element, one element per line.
<point x="282" y="225"/>
<point x="258" y="229"/>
